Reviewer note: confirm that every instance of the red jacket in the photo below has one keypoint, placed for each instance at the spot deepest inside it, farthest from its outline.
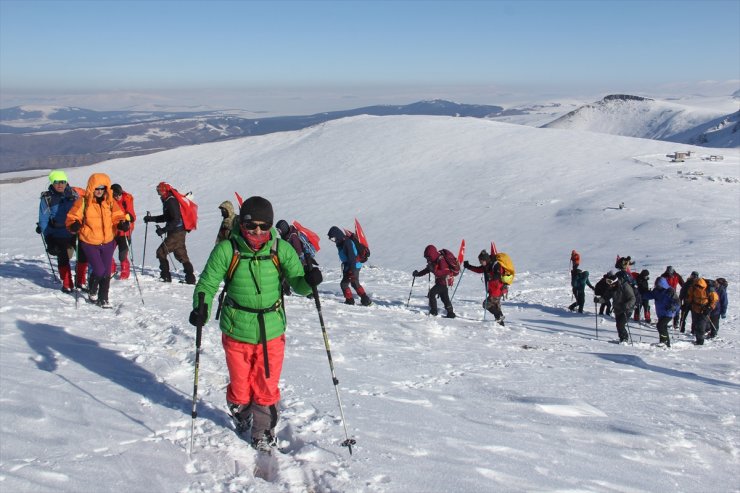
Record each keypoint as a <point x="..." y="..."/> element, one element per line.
<point x="493" y="273"/>
<point x="437" y="265"/>
<point x="126" y="203"/>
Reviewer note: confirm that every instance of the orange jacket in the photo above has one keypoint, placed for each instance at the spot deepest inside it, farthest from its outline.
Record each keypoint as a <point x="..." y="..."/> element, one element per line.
<point x="699" y="296"/>
<point x="126" y="203"/>
<point x="99" y="219"/>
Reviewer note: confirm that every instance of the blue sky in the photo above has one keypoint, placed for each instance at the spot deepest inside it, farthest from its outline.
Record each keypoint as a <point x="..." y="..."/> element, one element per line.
<point x="158" y="46"/>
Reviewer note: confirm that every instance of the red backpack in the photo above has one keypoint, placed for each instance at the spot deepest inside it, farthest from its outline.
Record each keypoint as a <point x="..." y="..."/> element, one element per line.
<point x="451" y="260"/>
<point x="188" y="209"/>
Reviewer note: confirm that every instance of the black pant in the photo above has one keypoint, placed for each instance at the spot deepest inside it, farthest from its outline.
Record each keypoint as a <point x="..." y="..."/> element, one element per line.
<point x="699" y="324"/>
<point x="443" y="293"/>
<point x="622" y="326"/>
<point x="122" y="242"/>
<point x="580" y="295"/>
<point x="663" y="330"/>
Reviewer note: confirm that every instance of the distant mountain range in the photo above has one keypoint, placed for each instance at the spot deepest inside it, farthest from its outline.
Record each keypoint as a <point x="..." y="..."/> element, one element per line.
<point x="634" y="116"/>
<point x="35" y="137"/>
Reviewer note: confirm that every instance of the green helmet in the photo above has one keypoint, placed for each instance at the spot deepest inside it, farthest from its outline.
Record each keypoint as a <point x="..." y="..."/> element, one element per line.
<point x="57" y="175"/>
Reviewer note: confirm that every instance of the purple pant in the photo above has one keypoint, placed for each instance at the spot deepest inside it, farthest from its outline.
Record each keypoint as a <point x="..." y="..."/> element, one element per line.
<point x="99" y="257"/>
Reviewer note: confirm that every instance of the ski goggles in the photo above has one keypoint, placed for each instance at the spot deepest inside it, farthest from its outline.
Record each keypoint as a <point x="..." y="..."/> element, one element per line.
<point x="59" y="182"/>
<point x="100" y="188"/>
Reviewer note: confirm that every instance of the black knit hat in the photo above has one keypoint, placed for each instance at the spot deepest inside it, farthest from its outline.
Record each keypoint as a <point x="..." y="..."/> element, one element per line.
<point x="116" y="189"/>
<point x="256" y="209"/>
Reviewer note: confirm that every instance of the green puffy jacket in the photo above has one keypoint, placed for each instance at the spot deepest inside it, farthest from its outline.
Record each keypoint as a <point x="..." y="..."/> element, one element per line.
<point x="255" y="284"/>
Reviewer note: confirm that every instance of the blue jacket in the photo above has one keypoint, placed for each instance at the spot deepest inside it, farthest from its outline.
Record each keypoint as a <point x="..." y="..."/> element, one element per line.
<point x="666" y="300"/>
<point x="721" y="307"/>
<point x="346" y="249"/>
<point x="53" y="211"/>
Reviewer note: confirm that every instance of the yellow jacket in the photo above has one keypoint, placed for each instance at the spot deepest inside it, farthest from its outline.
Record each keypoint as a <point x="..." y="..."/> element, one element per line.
<point x="699" y="296"/>
<point x="99" y="218"/>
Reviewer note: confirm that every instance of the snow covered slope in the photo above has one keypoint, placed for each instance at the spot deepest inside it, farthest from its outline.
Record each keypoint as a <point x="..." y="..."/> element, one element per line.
<point x="635" y="116"/>
<point x="98" y="400"/>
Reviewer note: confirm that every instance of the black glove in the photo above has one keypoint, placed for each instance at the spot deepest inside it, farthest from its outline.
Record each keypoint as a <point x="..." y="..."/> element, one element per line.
<point x="124" y="225"/>
<point x="160" y="231"/>
<point x="313" y="277"/>
<point x="75" y="227"/>
<point x="706" y="310"/>
<point x="466" y="264"/>
<point x="38" y="229"/>
<point x="415" y="273"/>
<point x="195" y="319"/>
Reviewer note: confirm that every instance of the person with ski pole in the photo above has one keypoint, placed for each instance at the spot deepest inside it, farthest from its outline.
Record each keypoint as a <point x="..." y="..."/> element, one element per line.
<point x="495" y="288"/>
<point x="666" y="306"/>
<point x="720" y="309"/>
<point x="252" y="315"/>
<point x="683" y="296"/>
<point x="437" y="265"/>
<point x="290" y="233"/>
<point x="602" y="294"/>
<point x="174" y="229"/>
<point x="674" y="280"/>
<point x="579" y="282"/>
<point x="126" y="202"/>
<point x="55" y="204"/>
<point x="351" y="267"/>
<point x="96" y="217"/>
<point x="623" y="296"/>
<point x="702" y="299"/>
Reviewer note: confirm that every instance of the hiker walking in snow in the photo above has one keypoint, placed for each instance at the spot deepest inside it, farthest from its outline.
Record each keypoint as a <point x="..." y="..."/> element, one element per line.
<point x="253" y="320"/>
<point x="623" y="304"/>
<point x="350" y="267"/>
<point x="602" y="294"/>
<point x="228" y="215"/>
<point x="674" y="280"/>
<point x="290" y="234"/>
<point x="96" y="218"/>
<point x="174" y="228"/>
<point x="720" y="309"/>
<point x="683" y="296"/>
<point x="643" y="286"/>
<point x="579" y="283"/>
<point x="56" y="202"/>
<point x="495" y="287"/>
<point x="437" y="265"/>
<point x="126" y="202"/>
<point x="702" y="299"/>
<point x="666" y="306"/>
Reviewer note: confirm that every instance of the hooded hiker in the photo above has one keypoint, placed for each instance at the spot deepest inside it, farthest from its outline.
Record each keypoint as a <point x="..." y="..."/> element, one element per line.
<point x="579" y="282"/>
<point x="438" y="266"/>
<point x="495" y="287"/>
<point x="227" y="213"/>
<point x="666" y="306"/>
<point x="126" y="202"/>
<point x="96" y="218"/>
<point x="702" y="299"/>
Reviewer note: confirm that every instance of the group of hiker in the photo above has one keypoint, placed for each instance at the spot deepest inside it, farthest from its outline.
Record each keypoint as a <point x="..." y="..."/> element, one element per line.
<point x="260" y="261"/>
<point x="627" y="294"/>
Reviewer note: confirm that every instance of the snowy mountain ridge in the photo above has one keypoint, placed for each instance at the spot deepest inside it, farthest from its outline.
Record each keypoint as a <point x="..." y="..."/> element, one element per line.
<point x="636" y="116"/>
<point x="101" y="399"/>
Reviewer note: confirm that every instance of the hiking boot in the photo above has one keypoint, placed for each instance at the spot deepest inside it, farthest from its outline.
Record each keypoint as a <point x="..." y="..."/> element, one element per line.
<point x="242" y="417"/>
<point x="189" y="275"/>
<point x="165" y="277"/>
<point x="92" y="294"/>
<point x="349" y="301"/>
<point x="500" y="320"/>
<point x="265" y="443"/>
<point x="433" y="313"/>
<point x="125" y="269"/>
<point x="365" y="300"/>
<point x="189" y="278"/>
<point x="450" y="314"/>
<point x="103" y="303"/>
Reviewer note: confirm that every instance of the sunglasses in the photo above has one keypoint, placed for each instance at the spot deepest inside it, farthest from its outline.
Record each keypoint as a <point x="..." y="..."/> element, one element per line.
<point x="60" y="182"/>
<point x="100" y="189"/>
<point x="251" y="226"/>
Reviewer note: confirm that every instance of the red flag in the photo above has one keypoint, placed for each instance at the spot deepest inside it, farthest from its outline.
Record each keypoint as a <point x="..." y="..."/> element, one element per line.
<point x="461" y="253"/>
<point x="493" y="249"/>
<point x="312" y="237"/>
<point x="239" y="199"/>
<point x="360" y="233"/>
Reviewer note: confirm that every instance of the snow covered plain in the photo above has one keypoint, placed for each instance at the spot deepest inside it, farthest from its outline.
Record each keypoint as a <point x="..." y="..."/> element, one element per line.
<point x="99" y="400"/>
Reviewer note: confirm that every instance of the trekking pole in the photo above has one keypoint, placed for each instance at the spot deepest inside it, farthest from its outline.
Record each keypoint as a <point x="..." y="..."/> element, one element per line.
<point x="143" y="255"/>
<point x="131" y="256"/>
<point x="458" y="283"/>
<point x="53" y="272"/>
<point x="413" y="280"/>
<point x="629" y="332"/>
<point x="596" y="316"/>
<point x="198" y="335"/>
<point x="169" y="256"/>
<point x="348" y="442"/>
<point x="77" y="259"/>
